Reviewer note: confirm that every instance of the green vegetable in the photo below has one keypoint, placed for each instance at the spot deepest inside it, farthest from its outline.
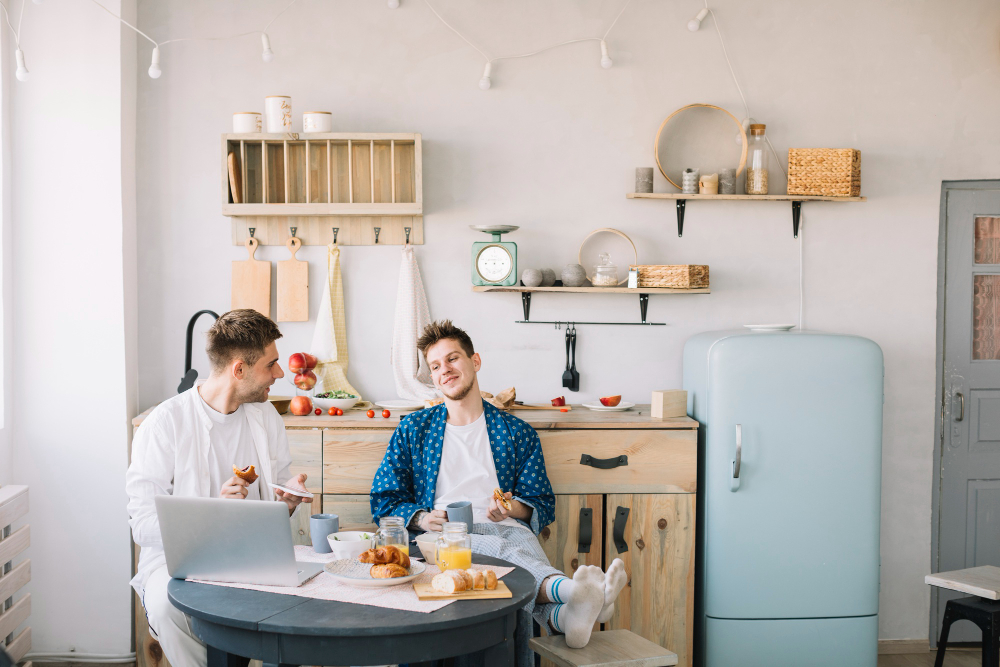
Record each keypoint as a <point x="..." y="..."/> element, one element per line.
<point x="335" y="394"/>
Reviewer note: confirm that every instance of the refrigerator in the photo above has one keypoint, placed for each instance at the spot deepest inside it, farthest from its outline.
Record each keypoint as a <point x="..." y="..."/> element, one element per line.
<point x="790" y="453"/>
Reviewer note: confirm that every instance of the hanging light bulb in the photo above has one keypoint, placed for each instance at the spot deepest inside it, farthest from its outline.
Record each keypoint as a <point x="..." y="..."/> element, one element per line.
<point x="267" y="54"/>
<point x="484" y="83"/>
<point x="746" y="127"/>
<point x="37" y="2"/>
<point x="154" y="64"/>
<point x="22" y="71"/>
<point x="695" y="23"/>
<point x="393" y="4"/>
<point x="606" y="61"/>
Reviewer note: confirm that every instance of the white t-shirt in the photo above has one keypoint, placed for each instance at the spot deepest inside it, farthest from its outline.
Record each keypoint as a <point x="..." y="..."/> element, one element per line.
<point x="467" y="470"/>
<point x="231" y="445"/>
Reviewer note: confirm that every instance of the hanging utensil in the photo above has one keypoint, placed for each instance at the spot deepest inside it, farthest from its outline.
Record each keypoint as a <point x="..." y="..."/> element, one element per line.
<point x="575" y="375"/>
<point x="567" y="374"/>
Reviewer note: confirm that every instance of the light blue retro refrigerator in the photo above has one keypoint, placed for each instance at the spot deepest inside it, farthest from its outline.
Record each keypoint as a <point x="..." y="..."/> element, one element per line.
<point x="790" y="453"/>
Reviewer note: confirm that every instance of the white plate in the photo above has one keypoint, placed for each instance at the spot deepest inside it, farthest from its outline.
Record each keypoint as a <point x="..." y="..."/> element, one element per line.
<point x="300" y="494"/>
<point x="354" y="573"/>
<point x="769" y="327"/>
<point x="598" y="407"/>
<point x="400" y="405"/>
<point x="491" y="229"/>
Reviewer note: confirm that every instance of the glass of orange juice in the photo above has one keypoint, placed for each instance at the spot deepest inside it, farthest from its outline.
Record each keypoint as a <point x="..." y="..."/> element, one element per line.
<point x="454" y="547"/>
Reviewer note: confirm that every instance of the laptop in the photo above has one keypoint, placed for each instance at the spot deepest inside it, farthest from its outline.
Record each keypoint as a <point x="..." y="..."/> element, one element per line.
<point x="238" y="541"/>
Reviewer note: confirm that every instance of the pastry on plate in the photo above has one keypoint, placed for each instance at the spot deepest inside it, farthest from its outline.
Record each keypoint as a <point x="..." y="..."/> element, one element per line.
<point x="385" y="556"/>
<point x="388" y="571"/>
<point x="501" y="498"/>
<point x="248" y="474"/>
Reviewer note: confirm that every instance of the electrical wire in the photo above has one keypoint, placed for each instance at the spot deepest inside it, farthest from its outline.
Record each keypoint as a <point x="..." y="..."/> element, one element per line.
<point x="454" y="30"/>
<point x="125" y="22"/>
<point x="16" y="33"/>
<point x="287" y="7"/>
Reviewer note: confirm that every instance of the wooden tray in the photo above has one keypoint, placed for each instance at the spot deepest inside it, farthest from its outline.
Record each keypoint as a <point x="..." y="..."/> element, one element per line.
<point x="427" y="592"/>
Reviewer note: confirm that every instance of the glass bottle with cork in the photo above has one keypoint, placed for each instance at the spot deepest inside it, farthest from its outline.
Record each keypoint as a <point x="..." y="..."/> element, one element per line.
<point x="454" y="547"/>
<point x="757" y="161"/>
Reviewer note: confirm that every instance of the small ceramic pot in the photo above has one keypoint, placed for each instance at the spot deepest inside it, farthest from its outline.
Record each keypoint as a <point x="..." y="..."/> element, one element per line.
<point x="644" y="179"/>
<point x="548" y="277"/>
<point x="247" y="122"/>
<point x="278" y="110"/>
<point x="689" y="181"/>
<point x="531" y="277"/>
<point x="317" y="121"/>
<point x="574" y="275"/>
<point x="727" y="182"/>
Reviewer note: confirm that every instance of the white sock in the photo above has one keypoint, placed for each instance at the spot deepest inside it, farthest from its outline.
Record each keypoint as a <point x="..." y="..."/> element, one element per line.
<point x="614" y="581"/>
<point x="586" y="600"/>
<point x="558" y="589"/>
<point x="554" y="618"/>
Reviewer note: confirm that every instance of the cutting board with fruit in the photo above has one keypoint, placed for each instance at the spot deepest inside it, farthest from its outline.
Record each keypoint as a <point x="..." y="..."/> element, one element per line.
<point x="252" y="282"/>
<point x="427" y="592"/>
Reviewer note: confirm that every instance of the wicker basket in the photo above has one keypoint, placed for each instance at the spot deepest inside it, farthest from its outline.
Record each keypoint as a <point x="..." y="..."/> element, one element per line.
<point x="831" y="172"/>
<point x="680" y="276"/>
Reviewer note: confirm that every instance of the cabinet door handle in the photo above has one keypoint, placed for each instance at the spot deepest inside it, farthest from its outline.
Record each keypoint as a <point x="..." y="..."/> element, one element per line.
<point x="961" y="398"/>
<point x="618" y="533"/>
<point x="603" y="464"/>
<point x="734" y="483"/>
<point x="586" y="529"/>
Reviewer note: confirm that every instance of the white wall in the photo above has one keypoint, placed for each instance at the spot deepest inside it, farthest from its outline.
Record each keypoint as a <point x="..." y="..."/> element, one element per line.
<point x="552" y="147"/>
<point x="70" y="418"/>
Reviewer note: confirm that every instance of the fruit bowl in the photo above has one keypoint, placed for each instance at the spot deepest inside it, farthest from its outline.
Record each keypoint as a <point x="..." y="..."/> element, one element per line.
<point x="342" y="403"/>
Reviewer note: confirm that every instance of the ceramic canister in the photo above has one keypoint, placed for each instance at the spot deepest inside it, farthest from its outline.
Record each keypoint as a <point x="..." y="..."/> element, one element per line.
<point x="278" y="110"/>
<point x="247" y="122"/>
<point x="317" y="121"/>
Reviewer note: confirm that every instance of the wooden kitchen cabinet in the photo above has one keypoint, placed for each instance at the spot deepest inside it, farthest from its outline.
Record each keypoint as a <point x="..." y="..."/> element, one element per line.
<point x="561" y="539"/>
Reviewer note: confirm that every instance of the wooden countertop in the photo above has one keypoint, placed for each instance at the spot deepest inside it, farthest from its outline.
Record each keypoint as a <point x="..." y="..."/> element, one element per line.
<point x="577" y="418"/>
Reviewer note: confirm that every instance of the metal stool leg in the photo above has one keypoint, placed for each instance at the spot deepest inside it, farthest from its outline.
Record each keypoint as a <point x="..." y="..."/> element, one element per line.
<point x="949" y="617"/>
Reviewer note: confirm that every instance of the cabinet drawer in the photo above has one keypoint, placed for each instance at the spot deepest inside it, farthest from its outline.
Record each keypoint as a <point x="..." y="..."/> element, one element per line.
<point x="658" y="461"/>
<point x="351" y="458"/>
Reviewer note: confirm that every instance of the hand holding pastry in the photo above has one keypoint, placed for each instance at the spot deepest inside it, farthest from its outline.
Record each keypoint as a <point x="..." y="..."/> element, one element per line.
<point x="500" y="506"/>
<point x="235" y="488"/>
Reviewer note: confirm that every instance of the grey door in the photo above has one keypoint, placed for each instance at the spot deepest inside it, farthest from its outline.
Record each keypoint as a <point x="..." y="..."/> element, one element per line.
<point x="968" y="493"/>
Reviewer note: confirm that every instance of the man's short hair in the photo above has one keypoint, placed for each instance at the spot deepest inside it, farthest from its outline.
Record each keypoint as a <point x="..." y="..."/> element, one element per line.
<point x="441" y="330"/>
<point x="240" y="334"/>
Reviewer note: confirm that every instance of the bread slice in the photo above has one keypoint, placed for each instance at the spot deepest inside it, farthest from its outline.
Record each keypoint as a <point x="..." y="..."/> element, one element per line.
<point x="491" y="580"/>
<point x="478" y="580"/>
<point x="449" y="582"/>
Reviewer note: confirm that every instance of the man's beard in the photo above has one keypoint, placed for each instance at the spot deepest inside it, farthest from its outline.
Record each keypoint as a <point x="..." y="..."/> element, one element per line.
<point x="460" y="393"/>
<point x="256" y="394"/>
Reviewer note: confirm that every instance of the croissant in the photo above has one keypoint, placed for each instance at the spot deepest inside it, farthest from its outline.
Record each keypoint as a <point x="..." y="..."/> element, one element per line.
<point x="248" y="473"/>
<point x="388" y="571"/>
<point x="367" y="556"/>
<point x="501" y="498"/>
<point x="390" y="554"/>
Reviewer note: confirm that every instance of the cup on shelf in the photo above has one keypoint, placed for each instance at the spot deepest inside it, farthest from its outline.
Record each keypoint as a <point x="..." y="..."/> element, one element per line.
<point x="317" y="121"/>
<point x="278" y="111"/>
<point x="247" y="122"/>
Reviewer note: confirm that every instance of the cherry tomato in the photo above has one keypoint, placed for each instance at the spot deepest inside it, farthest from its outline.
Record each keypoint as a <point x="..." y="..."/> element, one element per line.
<point x="340" y="413"/>
<point x="371" y="414"/>
<point x="319" y="411"/>
<point x="332" y="412"/>
<point x="563" y="409"/>
<point x="385" y="414"/>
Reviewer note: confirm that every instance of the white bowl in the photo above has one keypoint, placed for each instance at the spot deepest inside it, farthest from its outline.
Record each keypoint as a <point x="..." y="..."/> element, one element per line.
<point x="350" y="543"/>
<point x="430" y="540"/>
<point x="342" y="403"/>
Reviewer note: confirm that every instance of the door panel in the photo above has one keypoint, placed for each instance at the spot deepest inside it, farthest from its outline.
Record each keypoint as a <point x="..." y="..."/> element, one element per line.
<point x="969" y="488"/>
<point x="561" y="539"/>
<point x="658" y="602"/>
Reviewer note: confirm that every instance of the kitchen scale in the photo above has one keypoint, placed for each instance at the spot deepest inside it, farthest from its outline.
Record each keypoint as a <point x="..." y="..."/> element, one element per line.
<point x="494" y="262"/>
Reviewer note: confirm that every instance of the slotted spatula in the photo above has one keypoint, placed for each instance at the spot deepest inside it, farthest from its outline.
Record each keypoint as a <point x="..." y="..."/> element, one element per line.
<point x="574" y="374"/>
<point x="567" y="374"/>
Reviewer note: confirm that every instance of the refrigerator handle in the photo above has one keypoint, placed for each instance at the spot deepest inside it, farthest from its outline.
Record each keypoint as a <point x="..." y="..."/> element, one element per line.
<point x="734" y="483"/>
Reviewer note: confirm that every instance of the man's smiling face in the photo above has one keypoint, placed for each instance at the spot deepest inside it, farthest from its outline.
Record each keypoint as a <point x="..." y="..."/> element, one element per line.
<point x="453" y="371"/>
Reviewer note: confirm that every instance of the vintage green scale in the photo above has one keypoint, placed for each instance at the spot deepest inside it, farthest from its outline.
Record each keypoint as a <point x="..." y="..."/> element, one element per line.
<point x="494" y="262"/>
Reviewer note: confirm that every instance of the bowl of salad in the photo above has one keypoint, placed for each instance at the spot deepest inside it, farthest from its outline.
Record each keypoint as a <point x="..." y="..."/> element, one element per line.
<point x="335" y="399"/>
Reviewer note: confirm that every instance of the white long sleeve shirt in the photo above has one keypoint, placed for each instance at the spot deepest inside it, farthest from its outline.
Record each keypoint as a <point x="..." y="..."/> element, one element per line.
<point x="170" y="455"/>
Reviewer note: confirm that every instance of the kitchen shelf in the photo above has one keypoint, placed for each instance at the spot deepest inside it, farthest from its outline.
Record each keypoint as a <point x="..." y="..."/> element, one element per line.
<point x="643" y="293"/>
<point x="366" y="186"/>
<point x="682" y="199"/>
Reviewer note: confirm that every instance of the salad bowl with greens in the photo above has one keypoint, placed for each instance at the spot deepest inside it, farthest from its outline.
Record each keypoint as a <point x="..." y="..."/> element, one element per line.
<point x="350" y="543"/>
<point x="335" y="399"/>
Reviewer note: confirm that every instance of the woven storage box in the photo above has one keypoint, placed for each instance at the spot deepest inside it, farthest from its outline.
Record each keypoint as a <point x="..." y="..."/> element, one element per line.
<point x="831" y="172"/>
<point x="683" y="276"/>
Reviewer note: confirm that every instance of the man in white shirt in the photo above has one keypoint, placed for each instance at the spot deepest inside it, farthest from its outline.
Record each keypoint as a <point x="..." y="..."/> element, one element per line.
<point x="463" y="450"/>
<point x="188" y="446"/>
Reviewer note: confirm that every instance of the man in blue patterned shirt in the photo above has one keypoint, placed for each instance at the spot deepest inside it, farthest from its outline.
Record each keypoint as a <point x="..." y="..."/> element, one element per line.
<point x="461" y="451"/>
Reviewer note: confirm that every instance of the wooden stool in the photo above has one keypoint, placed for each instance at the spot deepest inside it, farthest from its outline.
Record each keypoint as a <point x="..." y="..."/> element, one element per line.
<point x="983" y="610"/>
<point x="618" y="648"/>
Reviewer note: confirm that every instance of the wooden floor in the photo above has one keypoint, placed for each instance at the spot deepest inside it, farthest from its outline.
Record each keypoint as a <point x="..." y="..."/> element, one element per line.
<point x="952" y="658"/>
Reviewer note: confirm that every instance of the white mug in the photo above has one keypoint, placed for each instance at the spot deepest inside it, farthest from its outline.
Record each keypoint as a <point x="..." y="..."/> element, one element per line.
<point x="317" y="121"/>
<point x="278" y="110"/>
<point x="247" y="122"/>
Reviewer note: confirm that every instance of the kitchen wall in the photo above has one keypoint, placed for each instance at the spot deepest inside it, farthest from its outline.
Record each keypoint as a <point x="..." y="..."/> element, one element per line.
<point x="68" y="237"/>
<point x="552" y="148"/>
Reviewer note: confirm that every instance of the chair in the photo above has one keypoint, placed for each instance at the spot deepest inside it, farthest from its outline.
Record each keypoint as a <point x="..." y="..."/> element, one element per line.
<point x="618" y="648"/>
<point x="983" y="608"/>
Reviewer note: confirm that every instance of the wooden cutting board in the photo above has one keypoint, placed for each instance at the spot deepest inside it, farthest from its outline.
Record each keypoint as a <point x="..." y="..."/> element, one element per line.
<point x="235" y="182"/>
<point x="427" y="592"/>
<point x="252" y="282"/>
<point x="293" y="286"/>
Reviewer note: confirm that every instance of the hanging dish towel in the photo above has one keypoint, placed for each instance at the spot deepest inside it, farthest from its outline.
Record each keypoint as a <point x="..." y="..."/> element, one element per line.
<point x="329" y="342"/>
<point x="409" y="368"/>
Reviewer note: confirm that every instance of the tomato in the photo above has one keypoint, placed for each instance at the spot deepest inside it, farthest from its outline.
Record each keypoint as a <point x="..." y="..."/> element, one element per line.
<point x="385" y="414"/>
<point x="371" y="414"/>
<point x="332" y="412"/>
<point x="340" y="412"/>
<point x="563" y="409"/>
<point x="319" y="411"/>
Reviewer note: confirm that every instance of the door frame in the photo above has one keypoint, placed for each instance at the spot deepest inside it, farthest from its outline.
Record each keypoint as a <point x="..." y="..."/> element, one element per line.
<point x="939" y="383"/>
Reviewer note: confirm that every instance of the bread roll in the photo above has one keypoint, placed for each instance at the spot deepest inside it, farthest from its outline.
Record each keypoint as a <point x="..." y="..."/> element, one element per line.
<point x="388" y="571"/>
<point x="449" y="582"/>
<point x="491" y="580"/>
<point x="478" y="580"/>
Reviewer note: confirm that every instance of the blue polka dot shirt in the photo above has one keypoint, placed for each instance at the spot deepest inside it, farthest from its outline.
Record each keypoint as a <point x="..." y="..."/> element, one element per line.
<point x="407" y="478"/>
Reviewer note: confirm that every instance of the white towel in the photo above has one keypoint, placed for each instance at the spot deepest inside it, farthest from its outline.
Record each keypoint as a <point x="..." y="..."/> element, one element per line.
<point x="329" y="342"/>
<point x="409" y="368"/>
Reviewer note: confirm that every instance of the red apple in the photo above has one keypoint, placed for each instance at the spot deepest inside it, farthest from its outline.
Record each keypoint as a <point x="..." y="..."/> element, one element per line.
<point x="305" y="381"/>
<point x="611" y="401"/>
<point x="297" y="362"/>
<point x="559" y="402"/>
<point x="311" y="361"/>
<point x="301" y="405"/>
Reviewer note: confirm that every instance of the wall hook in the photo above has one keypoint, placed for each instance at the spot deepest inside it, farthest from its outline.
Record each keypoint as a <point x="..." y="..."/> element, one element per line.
<point x="407" y="230"/>
<point x="336" y="230"/>
<point x="294" y="229"/>
<point x="252" y="230"/>
<point x="377" y="232"/>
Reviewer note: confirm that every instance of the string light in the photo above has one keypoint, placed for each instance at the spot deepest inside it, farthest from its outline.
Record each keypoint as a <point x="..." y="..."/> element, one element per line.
<point x="154" y="65"/>
<point x="485" y="82"/>
<point x="606" y="61"/>
<point x="22" y="71"/>
<point x="267" y="54"/>
<point x="393" y="4"/>
<point x="695" y="23"/>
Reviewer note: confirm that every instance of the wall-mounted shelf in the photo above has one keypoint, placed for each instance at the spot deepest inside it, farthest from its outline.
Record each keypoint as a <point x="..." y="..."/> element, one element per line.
<point x="356" y="182"/>
<point x="642" y="292"/>
<point x="796" y="200"/>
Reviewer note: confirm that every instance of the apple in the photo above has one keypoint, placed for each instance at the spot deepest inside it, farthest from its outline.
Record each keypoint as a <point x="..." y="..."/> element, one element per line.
<point x="297" y="362"/>
<point x="611" y="401"/>
<point x="301" y="405"/>
<point x="311" y="361"/>
<point x="305" y="381"/>
<point x="559" y="402"/>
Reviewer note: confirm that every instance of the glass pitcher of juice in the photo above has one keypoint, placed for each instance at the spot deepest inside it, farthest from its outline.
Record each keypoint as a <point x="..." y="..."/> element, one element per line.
<point x="392" y="533"/>
<point x="454" y="547"/>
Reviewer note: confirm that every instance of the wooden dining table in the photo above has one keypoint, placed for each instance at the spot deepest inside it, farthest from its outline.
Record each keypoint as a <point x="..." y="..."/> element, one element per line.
<point x="238" y="625"/>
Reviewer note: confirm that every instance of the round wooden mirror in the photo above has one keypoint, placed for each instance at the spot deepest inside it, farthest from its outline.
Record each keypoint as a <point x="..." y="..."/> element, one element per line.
<point x="699" y="136"/>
